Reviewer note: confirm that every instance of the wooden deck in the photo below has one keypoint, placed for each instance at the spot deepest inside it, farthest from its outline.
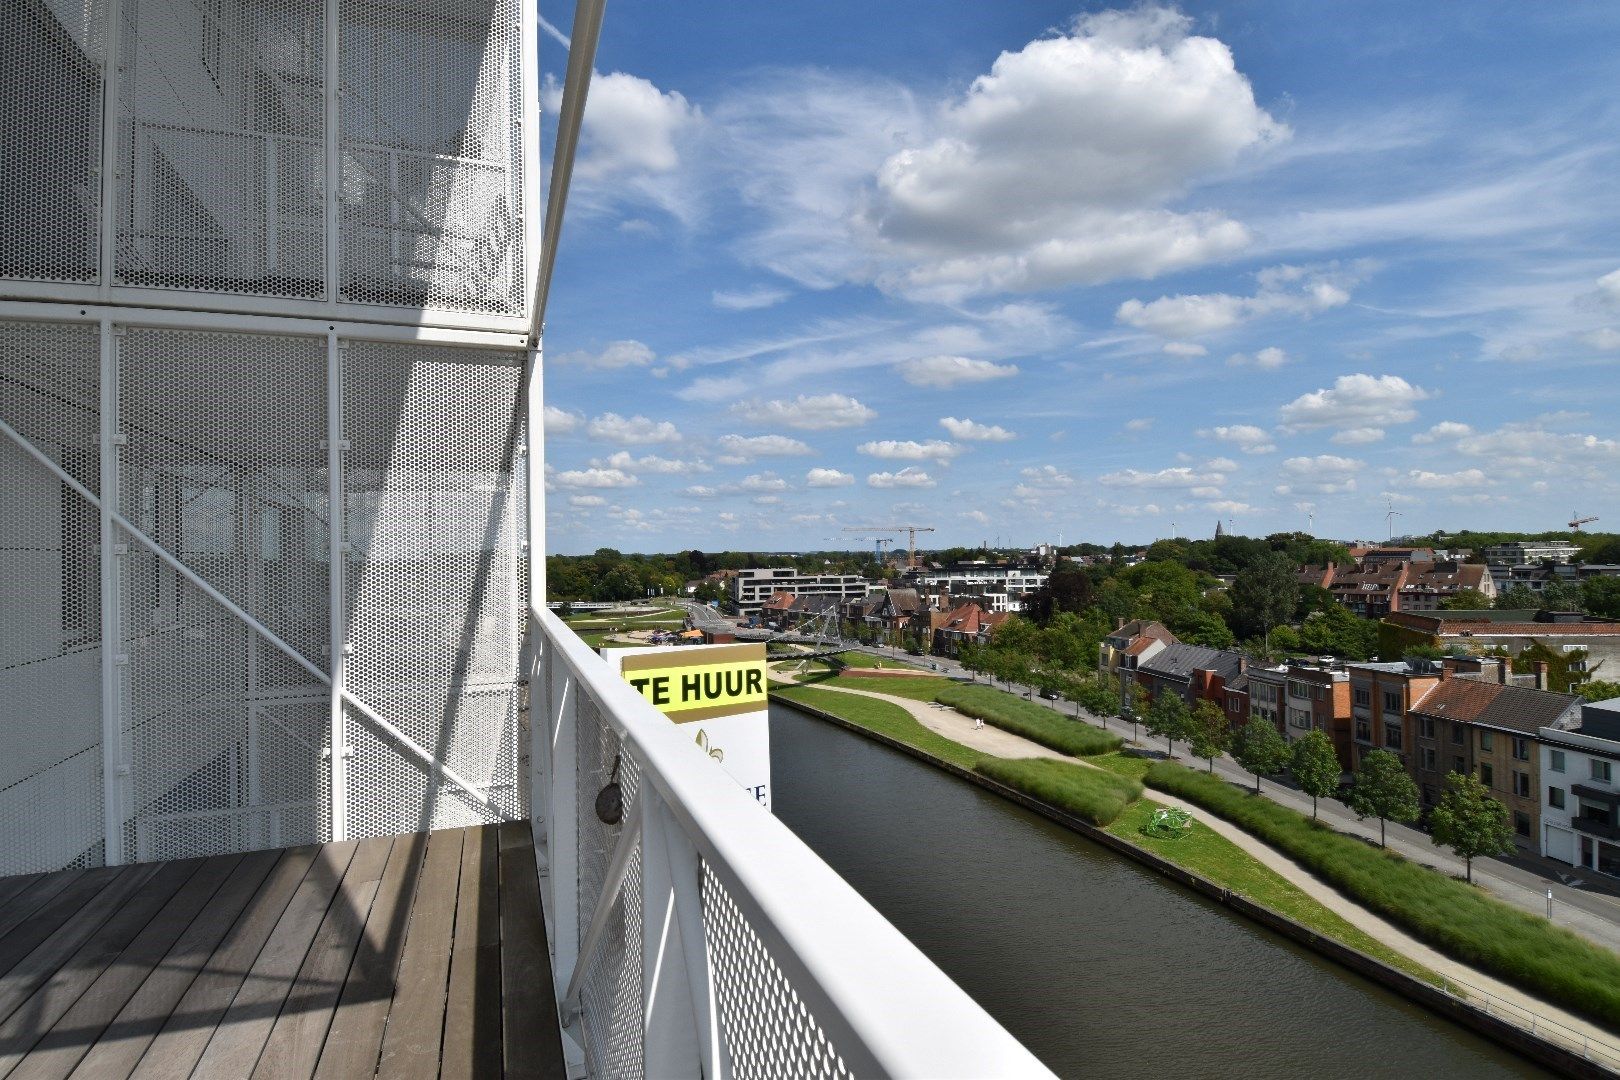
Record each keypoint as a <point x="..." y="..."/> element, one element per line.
<point x="409" y="956"/>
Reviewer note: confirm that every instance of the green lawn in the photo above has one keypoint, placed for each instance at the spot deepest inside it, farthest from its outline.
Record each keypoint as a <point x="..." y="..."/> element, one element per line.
<point x="1122" y="762"/>
<point x="1034" y="722"/>
<point x="1458" y="919"/>
<point x="1093" y="795"/>
<point x="883" y="717"/>
<point x="921" y="688"/>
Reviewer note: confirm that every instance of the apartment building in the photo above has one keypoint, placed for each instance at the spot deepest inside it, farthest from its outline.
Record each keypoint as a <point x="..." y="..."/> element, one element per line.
<point x="1318" y="697"/>
<point x="999" y="587"/>
<point x="1530" y="552"/>
<point x="752" y="589"/>
<point x="1268" y="690"/>
<point x="1477" y="631"/>
<point x="1580" y="805"/>
<point x="1193" y="672"/>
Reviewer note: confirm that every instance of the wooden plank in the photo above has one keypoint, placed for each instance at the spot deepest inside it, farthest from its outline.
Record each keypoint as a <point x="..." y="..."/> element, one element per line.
<point x="11" y="886"/>
<point x="173" y="1052"/>
<point x="415" y="1031"/>
<point x="52" y="911"/>
<point x="57" y="931"/>
<point x="30" y="899"/>
<point x="355" y="1038"/>
<point x="141" y="930"/>
<point x="295" y="1042"/>
<point x="533" y="1039"/>
<point x="119" y="1048"/>
<point x="240" y="1037"/>
<point x="472" y="1021"/>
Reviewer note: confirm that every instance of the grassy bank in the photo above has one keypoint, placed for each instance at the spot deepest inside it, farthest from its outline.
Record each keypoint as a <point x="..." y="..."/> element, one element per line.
<point x="883" y="717"/>
<point x="1455" y="917"/>
<point x="1034" y="722"/>
<point x="1090" y="794"/>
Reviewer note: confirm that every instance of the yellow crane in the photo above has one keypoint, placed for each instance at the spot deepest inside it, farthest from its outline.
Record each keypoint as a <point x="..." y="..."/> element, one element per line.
<point x="911" y="532"/>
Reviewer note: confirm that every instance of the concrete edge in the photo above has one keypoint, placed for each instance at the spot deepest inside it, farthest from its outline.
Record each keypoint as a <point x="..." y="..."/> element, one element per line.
<point x="1538" y="1049"/>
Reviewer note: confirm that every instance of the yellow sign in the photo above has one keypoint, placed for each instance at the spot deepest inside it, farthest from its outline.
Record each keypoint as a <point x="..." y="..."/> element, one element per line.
<point x="688" y="685"/>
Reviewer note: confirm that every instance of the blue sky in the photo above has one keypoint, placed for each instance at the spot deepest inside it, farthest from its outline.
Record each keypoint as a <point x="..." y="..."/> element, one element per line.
<point x="1029" y="271"/>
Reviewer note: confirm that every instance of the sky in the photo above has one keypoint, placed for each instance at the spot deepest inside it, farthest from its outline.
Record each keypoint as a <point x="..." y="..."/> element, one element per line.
<point x="1035" y="272"/>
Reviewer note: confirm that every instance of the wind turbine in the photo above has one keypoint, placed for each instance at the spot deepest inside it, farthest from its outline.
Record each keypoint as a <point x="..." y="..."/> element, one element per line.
<point x="1390" y="518"/>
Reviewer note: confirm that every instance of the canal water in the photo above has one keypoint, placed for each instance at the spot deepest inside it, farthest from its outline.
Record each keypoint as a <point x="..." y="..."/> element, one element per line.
<point x="1100" y="967"/>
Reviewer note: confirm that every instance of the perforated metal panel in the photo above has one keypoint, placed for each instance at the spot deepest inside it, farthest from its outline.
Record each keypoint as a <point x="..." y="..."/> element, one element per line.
<point x="431" y="206"/>
<point x="224" y="465"/>
<point x="221" y="123"/>
<point x="435" y="608"/>
<point x="50" y="138"/>
<point x="769" y="1031"/>
<point x="50" y="604"/>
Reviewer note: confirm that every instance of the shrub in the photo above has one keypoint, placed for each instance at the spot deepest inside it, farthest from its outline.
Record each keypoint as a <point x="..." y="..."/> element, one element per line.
<point x="1034" y="722"/>
<point x="1090" y="794"/>
<point x="1456" y="918"/>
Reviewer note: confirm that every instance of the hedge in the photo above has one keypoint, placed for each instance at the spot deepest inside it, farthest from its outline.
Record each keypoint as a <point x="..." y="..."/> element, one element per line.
<point x="1034" y="722"/>
<point x="1458" y="919"/>
<point x="1090" y="794"/>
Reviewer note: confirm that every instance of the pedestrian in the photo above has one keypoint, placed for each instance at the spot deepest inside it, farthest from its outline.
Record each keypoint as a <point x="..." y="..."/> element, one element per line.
<point x="978" y="722"/>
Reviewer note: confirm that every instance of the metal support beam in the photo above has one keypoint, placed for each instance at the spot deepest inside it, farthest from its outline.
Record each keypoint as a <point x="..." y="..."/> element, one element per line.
<point x="114" y="769"/>
<point x="338" y="644"/>
<point x="612" y="882"/>
<point x="167" y="557"/>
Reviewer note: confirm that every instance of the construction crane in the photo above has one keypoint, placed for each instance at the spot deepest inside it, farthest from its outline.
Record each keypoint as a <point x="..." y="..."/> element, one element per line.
<point x="877" y="544"/>
<point x="910" y="530"/>
<point x="1576" y="521"/>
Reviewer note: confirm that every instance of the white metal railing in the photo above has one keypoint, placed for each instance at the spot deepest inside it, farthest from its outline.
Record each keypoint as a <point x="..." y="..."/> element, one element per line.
<point x="1577" y="1042"/>
<point x="696" y="935"/>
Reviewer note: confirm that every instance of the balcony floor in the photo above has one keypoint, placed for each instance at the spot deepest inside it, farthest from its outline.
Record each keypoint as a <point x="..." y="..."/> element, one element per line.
<point x="415" y="956"/>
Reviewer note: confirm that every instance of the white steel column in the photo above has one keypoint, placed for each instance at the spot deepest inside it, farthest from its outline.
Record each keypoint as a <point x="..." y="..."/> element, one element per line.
<point x="111" y="165"/>
<point x="334" y="156"/>
<point x="672" y="1038"/>
<point x="561" y="827"/>
<point x="114" y="767"/>
<point x="338" y="647"/>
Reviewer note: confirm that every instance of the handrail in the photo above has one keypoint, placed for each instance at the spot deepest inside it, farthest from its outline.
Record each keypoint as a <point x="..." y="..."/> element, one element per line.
<point x="884" y="1006"/>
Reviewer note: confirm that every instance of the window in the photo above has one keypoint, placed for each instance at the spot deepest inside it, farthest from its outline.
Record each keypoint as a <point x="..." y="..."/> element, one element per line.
<point x="1392" y="701"/>
<point x="1363" y="695"/>
<point x="1555" y="797"/>
<point x="1363" y="730"/>
<point x="1487" y="741"/>
<point x="1521" y="784"/>
<point x="1555" y="762"/>
<point x="1392" y="736"/>
<point x="1601" y="770"/>
<point x="1456" y="734"/>
<point x="1521" y="823"/>
<point x="1298" y="690"/>
<point x="1458" y="765"/>
<point x="1521" y="749"/>
<point x="1487" y="775"/>
<point x="1300" y="718"/>
<point x="1429" y="758"/>
<point x="1426" y="727"/>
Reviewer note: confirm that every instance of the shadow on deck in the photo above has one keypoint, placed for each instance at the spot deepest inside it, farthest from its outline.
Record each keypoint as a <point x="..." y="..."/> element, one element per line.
<point x="420" y="955"/>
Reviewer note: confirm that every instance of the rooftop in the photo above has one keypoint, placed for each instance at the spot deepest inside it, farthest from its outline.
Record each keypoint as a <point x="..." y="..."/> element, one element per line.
<point x="1497" y="705"/>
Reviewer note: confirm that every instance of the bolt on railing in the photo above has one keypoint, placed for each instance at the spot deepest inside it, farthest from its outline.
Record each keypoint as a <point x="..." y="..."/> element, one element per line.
<point x="692" y="932"/>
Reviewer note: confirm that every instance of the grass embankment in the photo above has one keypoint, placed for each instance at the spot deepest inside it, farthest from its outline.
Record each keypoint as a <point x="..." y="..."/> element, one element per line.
<point x="883" y="717"/>
<point x="1455" y="917"/>
<point x="1034" y="722"/>
<point x="1092" y="795"/>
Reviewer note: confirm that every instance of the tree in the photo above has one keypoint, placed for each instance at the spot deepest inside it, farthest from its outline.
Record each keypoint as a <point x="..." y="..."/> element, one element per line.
<point x="1315" y="766"/>
<point x="1384" y="790"/>
<point x="1599" y="690"/>
<point x="1338" y="631"/>
<point x="1563" y="596"/>
<point x="1466" y="600"/>
<point x="1602" y="596"/>
<point x="970" y="654"/>
<point x="1170" y="719"/>
<point x="1210" y="733"/>
<point x="1264" y="593"/>
<point x="1470" y="822"/>
<point x="1518" y="598"/>
<point x="1260" y="748"/>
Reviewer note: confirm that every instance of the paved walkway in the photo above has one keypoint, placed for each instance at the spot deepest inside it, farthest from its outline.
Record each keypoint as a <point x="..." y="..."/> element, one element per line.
<point x="1582" y="904"/>
<point x="993" y="740"/>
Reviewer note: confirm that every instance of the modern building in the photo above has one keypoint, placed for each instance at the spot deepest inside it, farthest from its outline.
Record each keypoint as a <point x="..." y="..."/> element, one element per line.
<point x="751" y="589"/>
<point x="999" y="587"/>
<point x="1595" y="640"/>
<point x="1268" y="693"/>
<point x="1530" y="552"/>
<point x="1580" y="804"/>
<point x="1318" y="697"/>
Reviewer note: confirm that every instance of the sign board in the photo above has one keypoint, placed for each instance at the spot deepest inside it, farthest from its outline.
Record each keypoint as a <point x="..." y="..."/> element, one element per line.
<point x="715" y="693"/>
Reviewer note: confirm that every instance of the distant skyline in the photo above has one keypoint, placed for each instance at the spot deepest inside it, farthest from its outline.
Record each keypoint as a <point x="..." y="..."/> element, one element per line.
<point x="1034" y="269"/>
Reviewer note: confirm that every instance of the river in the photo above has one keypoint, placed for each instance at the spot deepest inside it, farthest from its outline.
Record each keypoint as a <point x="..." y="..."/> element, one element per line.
<point x="1097" y="965"/>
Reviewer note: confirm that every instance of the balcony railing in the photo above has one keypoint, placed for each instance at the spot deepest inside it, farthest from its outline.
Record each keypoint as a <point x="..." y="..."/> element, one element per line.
<point x="1596" y="828"/>
<point x="695" y="934"/>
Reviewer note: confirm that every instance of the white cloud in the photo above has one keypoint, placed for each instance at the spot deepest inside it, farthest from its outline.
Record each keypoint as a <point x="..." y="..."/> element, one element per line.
<point x="1290" y="290"/>
<point x="1268" y="359"/>
<point x="616" y="354"/>
<point x="1357" y="436"/>
<point x="700" y="491"/>
<point x="1046" y="476"/>
<point x="1445" y="431"/>
<point x="1354" y="401"/>
<point x="1324" y="474"/>
<point x="594" y="478"/>
<point x="820" y="412"/>
<point x="1185" y="349"/>
<point x="634" y="431"/>
<point x="739" y="449"/>
<point x="761" y="296"/>
<point x="1179" y="477"/>
<point x="650" y="463"/>
<point x="910" y="450"/>
<point x="586" y="502"/>
<point x="1227" y="506"/>
<point x="1221" y="464"/>
<point x="1246" y="437"/>
<point x="1606" y="339"/>
<point x="1609" y="286"/>
<point x="975" y="431"/>
<point x="1530" y="450"/>
<point x="1055" y="167"/>
<point x="1141" y="423"/>
<point x="940" y="372"/>
<point x="1430" y="481"/>
<point x="827" y="478"/>
<point x="762" y="482"/>
<point x="561" y="422"/>
<point x="907" y="477"/>
<point x="630" y="126"/>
